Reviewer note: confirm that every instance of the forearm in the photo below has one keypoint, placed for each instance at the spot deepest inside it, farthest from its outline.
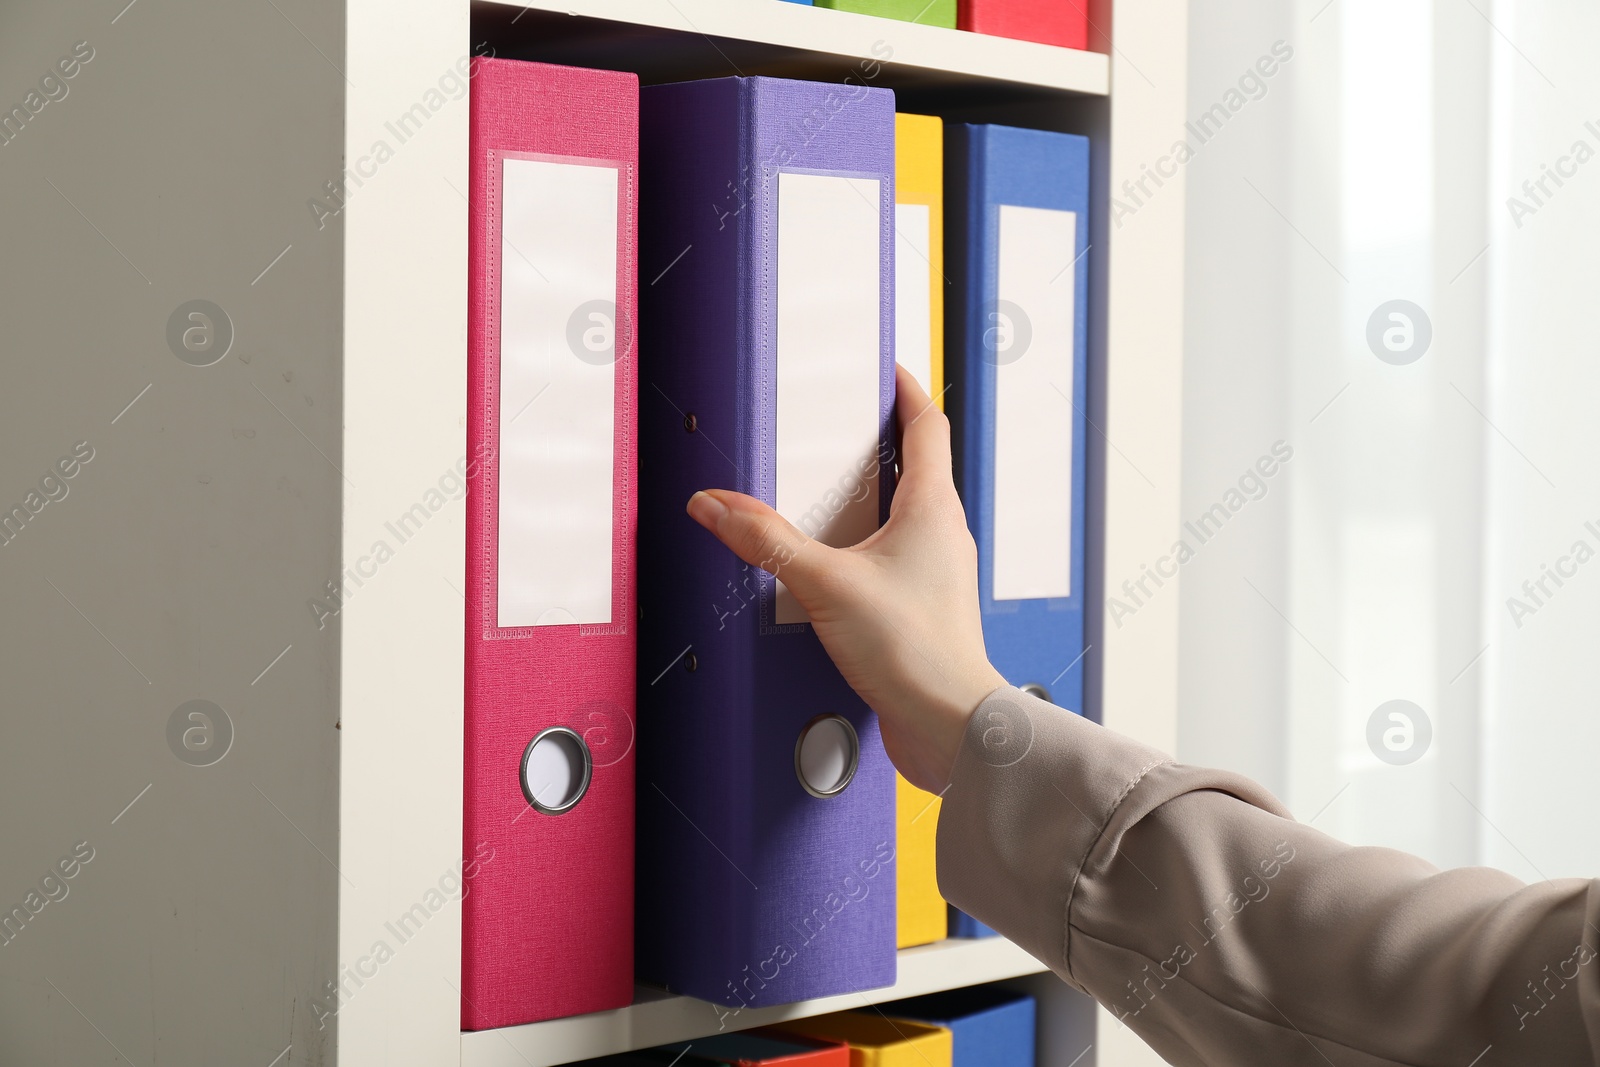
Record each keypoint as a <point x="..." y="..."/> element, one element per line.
<point x="1224" y="933"/>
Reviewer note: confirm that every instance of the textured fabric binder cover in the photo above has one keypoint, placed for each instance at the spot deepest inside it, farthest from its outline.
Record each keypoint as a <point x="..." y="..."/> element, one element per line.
<point x="1030" y="642"/>
<point x="921" y="908"/>
<point x="926" y="12"/>
<point x="989" y="1027"/>
<point x="751" y="891"/>
<point x="1060" y="22"/>
<point x="877" y="1041"/>
<point x="919" y="179"/>
<point x="753" y="1048"/>
<point x="546" y="922"/>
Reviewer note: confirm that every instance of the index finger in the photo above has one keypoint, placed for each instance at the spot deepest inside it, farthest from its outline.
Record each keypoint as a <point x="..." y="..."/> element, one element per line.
<point x="924" y="432"/>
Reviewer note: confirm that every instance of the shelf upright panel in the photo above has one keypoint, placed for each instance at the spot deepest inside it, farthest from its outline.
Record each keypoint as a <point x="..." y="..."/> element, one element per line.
<point x="404" y="226"/>
<point x="1138" y="405"/>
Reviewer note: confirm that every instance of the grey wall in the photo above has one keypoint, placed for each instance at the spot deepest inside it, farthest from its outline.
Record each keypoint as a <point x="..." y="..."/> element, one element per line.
<point x="179" y="562"/>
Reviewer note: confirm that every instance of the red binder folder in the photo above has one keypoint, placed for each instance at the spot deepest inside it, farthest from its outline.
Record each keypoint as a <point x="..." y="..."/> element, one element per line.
<point x="1058" y="22"/>
<point x="770" y="1048"/>
<point x="547" y="919"/>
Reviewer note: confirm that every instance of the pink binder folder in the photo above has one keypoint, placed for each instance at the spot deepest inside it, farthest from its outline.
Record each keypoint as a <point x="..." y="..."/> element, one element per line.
<point x="547" y="920"/>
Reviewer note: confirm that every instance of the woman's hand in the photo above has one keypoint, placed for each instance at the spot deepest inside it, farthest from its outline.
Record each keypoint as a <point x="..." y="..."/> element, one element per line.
<point x="899" y="611"/>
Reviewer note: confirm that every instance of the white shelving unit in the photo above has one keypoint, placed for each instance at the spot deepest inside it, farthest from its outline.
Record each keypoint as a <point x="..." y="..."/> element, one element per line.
<point x="657" y="1018"/>
<point x="228" y="902"/>
<point x="742" y="28"/>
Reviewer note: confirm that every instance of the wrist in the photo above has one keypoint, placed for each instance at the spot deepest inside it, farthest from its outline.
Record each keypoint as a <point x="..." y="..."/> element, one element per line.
<point x="958" y="703"/>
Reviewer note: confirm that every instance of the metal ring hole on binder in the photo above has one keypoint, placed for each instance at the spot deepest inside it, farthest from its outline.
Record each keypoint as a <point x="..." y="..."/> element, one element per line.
<point x="556" y="768"/>
<point x="826" y="755"/>
<point x="1034" y="689"/>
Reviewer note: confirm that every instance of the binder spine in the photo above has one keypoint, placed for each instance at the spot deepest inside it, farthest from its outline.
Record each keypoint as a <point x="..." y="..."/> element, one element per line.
<point x="1030" y="641"/>
<point x="544" y="918"/>
<point x="741" y="874"/>
<point x="837" y="914"/>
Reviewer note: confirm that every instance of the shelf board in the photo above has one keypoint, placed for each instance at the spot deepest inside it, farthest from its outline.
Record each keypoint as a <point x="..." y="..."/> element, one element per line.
<point x="671" y="40"/>
<point x="657" y="1018"/>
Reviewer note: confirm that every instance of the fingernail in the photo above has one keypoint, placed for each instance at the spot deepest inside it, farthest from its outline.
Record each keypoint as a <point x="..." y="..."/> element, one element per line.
<point x="707" y="510"/>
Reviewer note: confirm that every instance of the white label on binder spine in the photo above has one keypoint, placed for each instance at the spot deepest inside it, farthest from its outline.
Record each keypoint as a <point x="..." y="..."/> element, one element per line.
<point x="913" y="302"/>
<point x="557" y="403"/>
<point x="1031" y="346"/>
<point x="828" y="355"/>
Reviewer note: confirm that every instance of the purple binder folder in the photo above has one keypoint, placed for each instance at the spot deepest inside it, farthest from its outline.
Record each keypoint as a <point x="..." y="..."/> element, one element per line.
<point x="753" y="889"/>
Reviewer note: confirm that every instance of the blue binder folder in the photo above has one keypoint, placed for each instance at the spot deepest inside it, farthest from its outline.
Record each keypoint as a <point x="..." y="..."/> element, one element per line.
<point x="964" y="925"/>
<point x="1017" y="240"/>
<point x="990" y="1027"/>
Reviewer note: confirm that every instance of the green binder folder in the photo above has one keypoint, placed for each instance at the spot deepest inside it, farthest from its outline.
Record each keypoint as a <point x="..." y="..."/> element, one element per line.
<point x="925" y="12"/>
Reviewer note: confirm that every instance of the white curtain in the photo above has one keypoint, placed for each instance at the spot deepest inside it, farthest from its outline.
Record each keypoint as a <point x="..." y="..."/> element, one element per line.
<point x="1542" y="685"/>
<point x="1349" y="207"/>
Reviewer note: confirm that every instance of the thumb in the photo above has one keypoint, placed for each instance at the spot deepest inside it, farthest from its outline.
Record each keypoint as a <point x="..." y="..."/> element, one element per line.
<point x="761" y="537"/>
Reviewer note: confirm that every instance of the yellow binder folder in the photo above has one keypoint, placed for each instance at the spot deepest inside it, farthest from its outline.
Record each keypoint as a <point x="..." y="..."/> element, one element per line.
<point x="921" y="916"/>
<point x="919" y="248"/>
<point x="919" y="347"/>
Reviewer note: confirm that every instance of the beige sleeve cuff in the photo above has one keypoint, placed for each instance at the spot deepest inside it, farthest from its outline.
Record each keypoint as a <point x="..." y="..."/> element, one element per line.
<point x="1037" y="802"/>
<point x="1188" y="903"/>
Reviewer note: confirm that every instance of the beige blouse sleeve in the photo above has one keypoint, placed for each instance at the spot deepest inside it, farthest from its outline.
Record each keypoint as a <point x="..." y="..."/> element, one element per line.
<point x="1190" y="904"/>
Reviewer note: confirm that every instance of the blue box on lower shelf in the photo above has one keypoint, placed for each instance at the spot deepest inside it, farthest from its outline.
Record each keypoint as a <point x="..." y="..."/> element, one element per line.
<point x="991" y="1027"/>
